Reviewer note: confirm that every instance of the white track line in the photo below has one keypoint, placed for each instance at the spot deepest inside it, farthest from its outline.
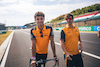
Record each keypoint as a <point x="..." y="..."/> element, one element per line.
<point x="89" y="54"/>
<point x="92" y="55"/>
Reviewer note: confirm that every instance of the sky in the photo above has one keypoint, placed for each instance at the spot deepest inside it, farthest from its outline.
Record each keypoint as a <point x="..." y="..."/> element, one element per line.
<point x="21" y="12"/>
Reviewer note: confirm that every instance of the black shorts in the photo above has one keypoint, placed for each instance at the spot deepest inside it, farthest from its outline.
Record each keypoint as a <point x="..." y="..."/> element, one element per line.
<point x="76" y="61"/>
<point x="41" y="56"/>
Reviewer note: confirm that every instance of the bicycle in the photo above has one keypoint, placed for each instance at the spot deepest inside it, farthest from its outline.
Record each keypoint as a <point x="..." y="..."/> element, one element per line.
<point x="43" y="61"/>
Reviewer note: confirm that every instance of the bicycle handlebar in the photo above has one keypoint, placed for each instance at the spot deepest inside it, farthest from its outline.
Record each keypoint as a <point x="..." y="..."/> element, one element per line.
<point x="44" y="61"/>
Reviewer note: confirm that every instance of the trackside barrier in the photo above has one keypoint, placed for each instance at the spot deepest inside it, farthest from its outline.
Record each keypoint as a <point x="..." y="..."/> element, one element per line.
<point x="84" y="28"/>
<point x="4" y="46"/>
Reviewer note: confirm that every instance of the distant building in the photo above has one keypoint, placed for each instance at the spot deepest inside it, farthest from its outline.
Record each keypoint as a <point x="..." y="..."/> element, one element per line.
<point x="2" y="26"/>
<point x="30" y="25"/>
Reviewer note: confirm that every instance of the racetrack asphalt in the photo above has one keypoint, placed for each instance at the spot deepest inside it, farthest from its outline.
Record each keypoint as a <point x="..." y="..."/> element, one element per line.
<point x="20" y="53"/>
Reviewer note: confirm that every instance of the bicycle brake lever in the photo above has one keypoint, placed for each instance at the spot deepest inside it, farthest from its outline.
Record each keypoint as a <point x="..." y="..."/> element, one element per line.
<point x="36" y="63"/>
<point x="56" y="59"/>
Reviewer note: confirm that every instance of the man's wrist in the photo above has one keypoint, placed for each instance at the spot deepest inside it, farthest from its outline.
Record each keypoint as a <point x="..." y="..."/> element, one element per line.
<point x="33" y="58"/>
<point x="66" y="52"/>
<point x="55" y="56"/>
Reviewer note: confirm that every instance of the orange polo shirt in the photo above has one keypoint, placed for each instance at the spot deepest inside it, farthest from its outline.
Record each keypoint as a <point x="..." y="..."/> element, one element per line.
<point x="71" y="38"/>
<point x="42" y="38"/>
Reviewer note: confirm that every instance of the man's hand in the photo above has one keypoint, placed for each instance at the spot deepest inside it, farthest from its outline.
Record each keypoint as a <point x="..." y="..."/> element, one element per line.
<point x="80" y="47"/>
<point x="67" y="55"/>
<point x="33" y="63"/>
<point x="98" y="35"/>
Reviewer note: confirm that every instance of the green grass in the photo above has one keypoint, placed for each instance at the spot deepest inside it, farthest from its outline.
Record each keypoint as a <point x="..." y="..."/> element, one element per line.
<point x="4" y="36"/>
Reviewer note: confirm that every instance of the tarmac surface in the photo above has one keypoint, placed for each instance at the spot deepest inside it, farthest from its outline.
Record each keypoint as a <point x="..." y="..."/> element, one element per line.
<point x="20" y="53"/>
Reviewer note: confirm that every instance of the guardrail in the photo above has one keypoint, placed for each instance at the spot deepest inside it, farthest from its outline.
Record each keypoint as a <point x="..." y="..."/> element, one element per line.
<point x="4" y="46"/>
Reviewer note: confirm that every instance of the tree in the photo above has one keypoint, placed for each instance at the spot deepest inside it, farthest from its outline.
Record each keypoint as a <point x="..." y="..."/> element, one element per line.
<point x="76" y="12"/>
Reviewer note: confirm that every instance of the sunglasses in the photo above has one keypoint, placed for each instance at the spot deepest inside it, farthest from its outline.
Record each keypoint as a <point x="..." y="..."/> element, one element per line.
<point x="69" y="18"/>
<point x="41" y="33"/>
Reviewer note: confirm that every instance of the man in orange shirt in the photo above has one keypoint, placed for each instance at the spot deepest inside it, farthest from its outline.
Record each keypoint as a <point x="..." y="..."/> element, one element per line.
<point x="69" y="42"/>
<point x="40" y="36"/>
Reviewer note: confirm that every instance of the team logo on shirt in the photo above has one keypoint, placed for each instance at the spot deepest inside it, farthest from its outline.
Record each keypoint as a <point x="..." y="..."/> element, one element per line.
<point x="37" y="34"/>
<point x="45" y="34"/>
<point x="76" y="30"/>
<point x="68" y="31"/>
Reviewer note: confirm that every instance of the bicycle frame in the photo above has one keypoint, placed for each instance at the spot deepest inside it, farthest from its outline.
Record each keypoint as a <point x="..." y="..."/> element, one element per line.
<point x="42" y="62"/>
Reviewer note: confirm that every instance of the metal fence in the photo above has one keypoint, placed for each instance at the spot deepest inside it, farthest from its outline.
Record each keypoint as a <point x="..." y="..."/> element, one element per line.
<point x="83" y="23"/>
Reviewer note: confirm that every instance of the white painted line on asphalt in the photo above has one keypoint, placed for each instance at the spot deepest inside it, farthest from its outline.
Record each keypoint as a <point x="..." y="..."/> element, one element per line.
<point x="92" y="55"/>
<point x="89" y="54"/>
<point x="57" y="43"/>
<point x="6" y="53"/>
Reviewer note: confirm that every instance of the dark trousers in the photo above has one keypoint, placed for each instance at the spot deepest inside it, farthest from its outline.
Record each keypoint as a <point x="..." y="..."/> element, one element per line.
<point x="76" y="61"/>
<point x="41" y="56"/>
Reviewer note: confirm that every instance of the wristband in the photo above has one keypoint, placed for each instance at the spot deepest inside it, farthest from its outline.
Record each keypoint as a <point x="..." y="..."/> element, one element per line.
<point x="55" y="56"/>
<point x="34" y="58"/>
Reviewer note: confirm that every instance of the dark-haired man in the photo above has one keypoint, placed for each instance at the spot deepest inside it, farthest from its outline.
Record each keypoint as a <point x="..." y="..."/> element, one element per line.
<point x="69" y="42"/>
<point x="40" y="36"/>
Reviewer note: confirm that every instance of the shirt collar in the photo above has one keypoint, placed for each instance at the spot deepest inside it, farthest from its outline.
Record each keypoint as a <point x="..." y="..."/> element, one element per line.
<point x="44" y="28"/>
<point x="69" y="26"/>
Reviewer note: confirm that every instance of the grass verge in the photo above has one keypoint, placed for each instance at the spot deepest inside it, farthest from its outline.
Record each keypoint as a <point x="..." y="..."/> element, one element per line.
<point x="4" y="36"/>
